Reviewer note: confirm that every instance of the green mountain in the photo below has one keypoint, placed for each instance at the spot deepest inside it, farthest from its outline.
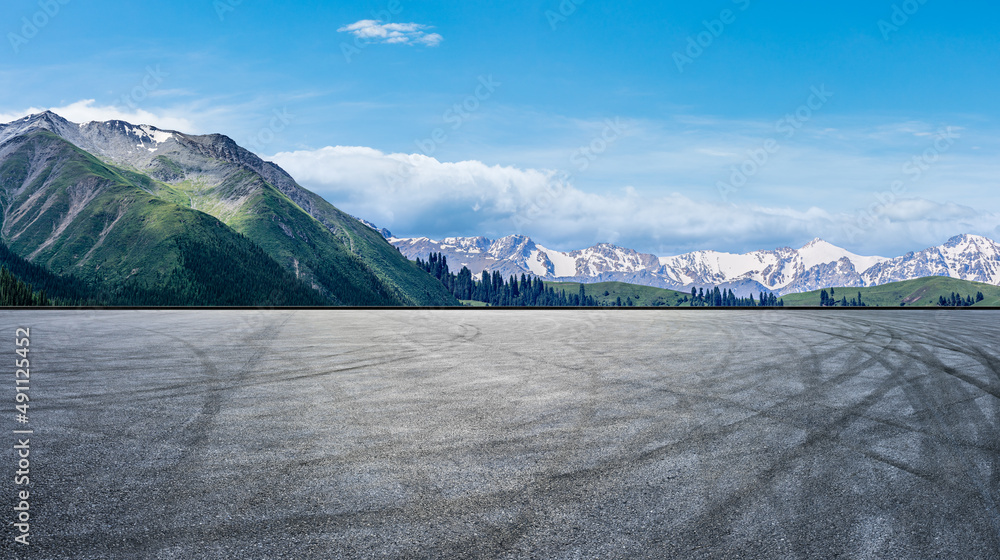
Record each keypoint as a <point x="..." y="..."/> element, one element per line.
<point x="922" y="292"/>
<point x="69" y="213"/>
<point x="166" y="218"/>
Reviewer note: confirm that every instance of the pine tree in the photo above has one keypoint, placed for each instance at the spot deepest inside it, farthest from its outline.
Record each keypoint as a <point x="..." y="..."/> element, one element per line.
<point x="14" y="292"/>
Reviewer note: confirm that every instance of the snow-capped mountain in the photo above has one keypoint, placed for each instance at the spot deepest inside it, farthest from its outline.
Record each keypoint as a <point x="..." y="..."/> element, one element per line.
<point x="816" y="265"/>
<point x="781" y="271"/>
<point x="117" y="141"/>
<point x="969" y="257"/>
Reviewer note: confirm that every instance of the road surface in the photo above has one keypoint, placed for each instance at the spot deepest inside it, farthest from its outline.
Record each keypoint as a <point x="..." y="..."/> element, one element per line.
<point x="508" y="434"/>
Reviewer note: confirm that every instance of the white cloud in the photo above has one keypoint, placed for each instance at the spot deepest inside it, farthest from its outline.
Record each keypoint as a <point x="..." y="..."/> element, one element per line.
<point x="87" y="110"/>
<point x="393" y="33"/>
<point x="416" y="195"/>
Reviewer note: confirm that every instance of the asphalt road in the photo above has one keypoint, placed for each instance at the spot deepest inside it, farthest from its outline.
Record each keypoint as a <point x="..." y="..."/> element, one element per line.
<point x="511" y="434"/>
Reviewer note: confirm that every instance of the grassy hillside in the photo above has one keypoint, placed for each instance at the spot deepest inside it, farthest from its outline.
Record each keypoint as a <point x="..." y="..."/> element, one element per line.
<point x="299" y="229"/>
<point x="922" y="292"/>
<point x="116" y="224"/>
<point x="385" y="261"/>
<point x="607" y="293"/>
<point x="71" y="214"/>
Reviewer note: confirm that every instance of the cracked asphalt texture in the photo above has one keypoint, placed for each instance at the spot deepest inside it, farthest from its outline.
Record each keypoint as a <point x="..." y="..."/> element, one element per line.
<point x="509" y="434"/>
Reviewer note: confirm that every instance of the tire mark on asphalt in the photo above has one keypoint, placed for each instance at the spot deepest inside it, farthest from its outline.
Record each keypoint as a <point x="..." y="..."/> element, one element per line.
<point x="424" y="511"/>
<point x="948" y="437"/>
<point x="178" y="477"/>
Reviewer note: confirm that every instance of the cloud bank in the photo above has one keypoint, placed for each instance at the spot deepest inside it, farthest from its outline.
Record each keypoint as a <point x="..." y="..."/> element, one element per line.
<point x="416" y="195"/>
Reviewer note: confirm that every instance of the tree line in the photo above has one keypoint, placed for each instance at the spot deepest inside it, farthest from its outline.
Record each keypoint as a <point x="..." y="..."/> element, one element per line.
<point x="830" y="300"/>
<point x="496" y="291"/>
<point x="54" y="289"/>
<point x="206" y="275"/>
<point x="715" y="297"/>
<point x="529" y="291"/>
<point x="956" y="300"/>
<point x="15" y="293"/>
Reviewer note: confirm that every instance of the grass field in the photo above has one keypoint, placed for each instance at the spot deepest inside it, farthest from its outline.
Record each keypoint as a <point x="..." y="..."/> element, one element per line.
<point x="609" y="292"/>
<point x="922" y="292"/>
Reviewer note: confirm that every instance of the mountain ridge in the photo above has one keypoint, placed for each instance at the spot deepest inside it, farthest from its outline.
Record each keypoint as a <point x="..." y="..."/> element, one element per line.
<point x="318" y="244"/>
<point x="816" y="265"/>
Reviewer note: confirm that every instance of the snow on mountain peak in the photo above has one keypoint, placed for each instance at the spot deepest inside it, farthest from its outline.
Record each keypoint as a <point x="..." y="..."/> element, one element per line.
<point x="968" y="240"/>
<point x="785" y="270"/>
<point x="819" y="252"/>
<point x="117" y="140"/>
<point x="563" y="265"/>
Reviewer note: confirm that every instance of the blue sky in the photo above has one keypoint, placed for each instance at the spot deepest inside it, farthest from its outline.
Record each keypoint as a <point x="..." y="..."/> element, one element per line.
<point x="661" y="126"/>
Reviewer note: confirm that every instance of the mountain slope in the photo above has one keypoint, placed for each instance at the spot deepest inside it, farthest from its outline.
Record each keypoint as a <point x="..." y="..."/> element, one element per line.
<point x="310" y="238"/>
<point x="61" y="290"/>
<point x="921" y="292"/>
<point x="967" y="257"/>
<point x="70" y="213"/>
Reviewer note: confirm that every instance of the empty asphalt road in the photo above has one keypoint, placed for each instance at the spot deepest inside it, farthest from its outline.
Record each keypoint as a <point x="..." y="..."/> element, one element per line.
<point x="507" y="434"/>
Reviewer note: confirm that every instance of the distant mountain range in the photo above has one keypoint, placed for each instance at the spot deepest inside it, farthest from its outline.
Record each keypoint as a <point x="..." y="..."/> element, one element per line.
<point x="151" y="216"/>
<point x="814" y="266"/>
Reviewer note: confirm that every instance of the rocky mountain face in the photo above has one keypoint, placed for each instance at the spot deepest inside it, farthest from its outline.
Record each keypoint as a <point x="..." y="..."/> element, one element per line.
<point x="967" y="257"/>
<point x="814" y="266"/>
<point x="322" y="247"/>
